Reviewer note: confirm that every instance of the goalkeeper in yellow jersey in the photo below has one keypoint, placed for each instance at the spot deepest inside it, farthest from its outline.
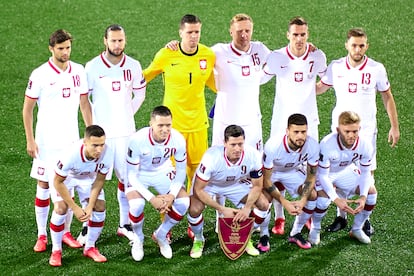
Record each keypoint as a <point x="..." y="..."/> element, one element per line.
<point x="185" y="74"/>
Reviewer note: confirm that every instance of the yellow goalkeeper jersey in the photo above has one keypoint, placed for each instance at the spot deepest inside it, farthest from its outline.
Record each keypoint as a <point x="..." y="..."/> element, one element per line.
<point x="184" y="77"/>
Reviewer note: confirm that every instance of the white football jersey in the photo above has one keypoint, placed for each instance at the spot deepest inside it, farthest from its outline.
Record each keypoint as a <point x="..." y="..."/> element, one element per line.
<point x="238" y="75"/>
<point x="152" y="156"/>
<point x="281" y="158"/>
<point x="355" y="89"/>
<point x="74" y="163"/>
<point x="336" y="157"/>
<point x="111" y="87"/>
<point x="295" y="85"/>
<point x="58" y="94"/>
<point x="217" y="170"/>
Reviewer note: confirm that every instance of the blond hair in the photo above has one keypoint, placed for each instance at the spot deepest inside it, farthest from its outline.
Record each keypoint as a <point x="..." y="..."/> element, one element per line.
<point x="240" y="17"/>
<point x="348" y="118"/>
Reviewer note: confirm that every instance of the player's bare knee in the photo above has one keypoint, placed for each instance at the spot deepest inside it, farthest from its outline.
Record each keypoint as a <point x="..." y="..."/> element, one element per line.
<point x="99" y="206"/>
<point x="60" y="207"/>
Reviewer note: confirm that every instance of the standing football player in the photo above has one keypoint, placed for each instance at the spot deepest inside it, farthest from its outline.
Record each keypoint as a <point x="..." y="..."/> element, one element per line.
<point x="356" y="80"/>
<point x="117" y="89"/>
<point x="58" y="87"/>
<point x="296" y="67"/>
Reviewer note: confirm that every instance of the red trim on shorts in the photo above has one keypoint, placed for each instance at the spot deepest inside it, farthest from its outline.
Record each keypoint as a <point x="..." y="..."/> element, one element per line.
<point x="42" y="202"/>
<point x="57" y="228"/>
<point x="136" y="219"/>
<point x="121" y="186"/>
<point x="279" y="186"/>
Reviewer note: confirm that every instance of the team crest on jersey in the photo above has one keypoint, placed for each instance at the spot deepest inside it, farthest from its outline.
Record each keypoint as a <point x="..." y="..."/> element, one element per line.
<point x="116" y="85"/>
<point x="352" y="87"/>
<point x="66" y="92"/>
<point x="203" y="64"/>
<point x="40" y="171"/>
<point x="343" y="164"/>
<point x="299" y="76"/>
<point x="156" y="160"/>
<point x="289" y="165"/>
<point x="233" y="236"/>
<point x="246" y="71"/>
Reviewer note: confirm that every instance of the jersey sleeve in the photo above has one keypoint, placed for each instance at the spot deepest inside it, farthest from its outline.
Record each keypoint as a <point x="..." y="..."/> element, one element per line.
<point x="269" y="154"/>
<point x="383" y="83"/>
<point x="133" y="156"/>
<point x="156" y="66"/>
<point x="327" y="78"/>
<point x="65" y="163"/>
<point x="257" y="168"/>
<point x="321" y="69"/>
<point x="34" y="85"/>
<point x="313" y="159"/>
<point x="206" y="168"/>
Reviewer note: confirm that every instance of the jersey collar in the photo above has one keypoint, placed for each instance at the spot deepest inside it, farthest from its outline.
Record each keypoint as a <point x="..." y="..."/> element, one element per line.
<point x="109" y="64"/>
<point x="57" y="69"/>
<point x="287" y="148"/>
<point x="303" y="57"/>
<point x="238" y="52"/>
<point x="342" y="147"/>
<point x="153" y="142"/>
<point x="359" y="67"/>
<point x="229" y="163"/>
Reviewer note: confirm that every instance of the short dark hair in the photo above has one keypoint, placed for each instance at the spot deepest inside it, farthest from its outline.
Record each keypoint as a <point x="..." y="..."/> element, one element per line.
<point x="297" y="119"/>
<point x="161" y="111"/>
<point x="356" y="32"/>
<point x="59" y="36"/>
<point x="297" y="20"/>
<point x="190" y="19"/>
<point x="113" y="27"/>
<point x="233" y="131"/>
<point x="95" y="131"/>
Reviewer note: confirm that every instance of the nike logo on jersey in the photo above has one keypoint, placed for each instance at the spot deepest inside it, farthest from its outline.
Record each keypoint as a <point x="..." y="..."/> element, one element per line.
<point x="283" y="66"/>
<point x="52" y="83"/>
<point x="101" y="77"/>
<point x="174" y="64"/>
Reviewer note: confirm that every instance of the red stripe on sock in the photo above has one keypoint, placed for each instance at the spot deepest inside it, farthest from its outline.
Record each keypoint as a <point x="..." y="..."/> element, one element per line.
<point x="257" y="219"/>
<point x="42" y="202"/>
<point x="319" y="211"/>
<point x="174" y="215"/>
<point x="136" y="219"/>
<point x="369" y="207"/>
<point x="57" y="228"/>
<point x="95" y="223"/>
<point x="197" y="223"/>
<point x="307" y="211"/>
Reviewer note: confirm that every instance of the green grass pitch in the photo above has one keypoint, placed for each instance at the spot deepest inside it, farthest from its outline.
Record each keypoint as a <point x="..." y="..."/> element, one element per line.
<point x="26" y="26"/>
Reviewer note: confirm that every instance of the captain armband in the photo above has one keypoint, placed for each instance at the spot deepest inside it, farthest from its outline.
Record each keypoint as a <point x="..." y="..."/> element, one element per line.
<point x="270" y="189"/>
